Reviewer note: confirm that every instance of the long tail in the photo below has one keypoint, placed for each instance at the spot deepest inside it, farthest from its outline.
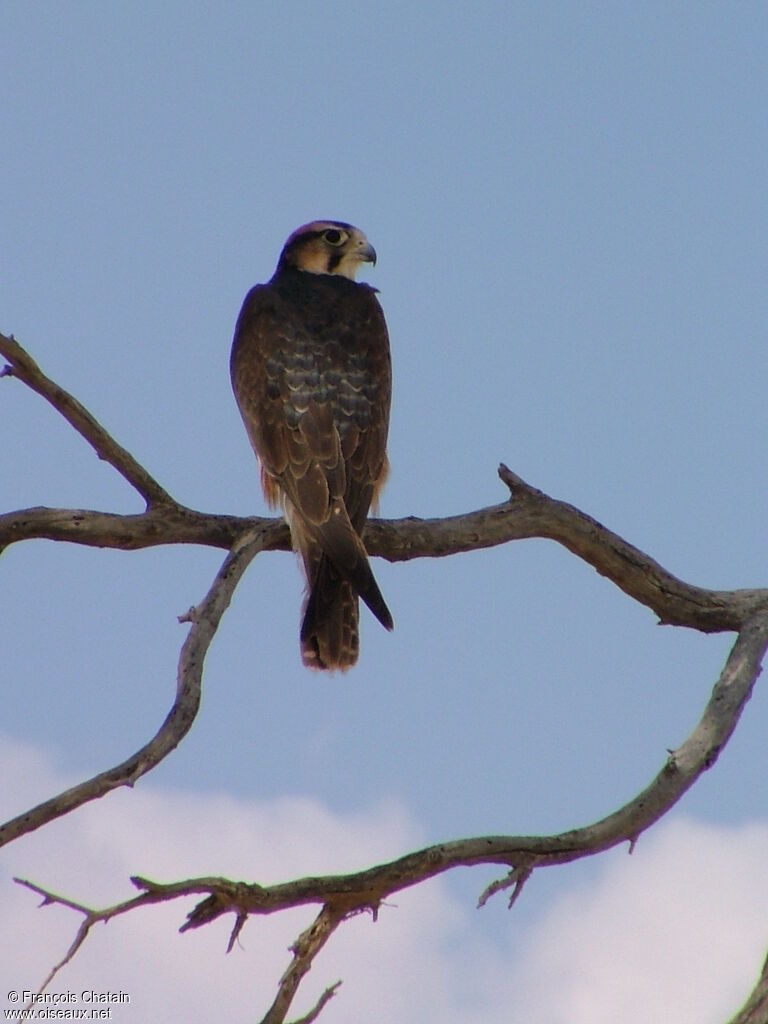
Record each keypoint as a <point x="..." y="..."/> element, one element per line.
<point x="329" y="630"/>
<point x="343" y="547"/>
<point x="338" y="572"/>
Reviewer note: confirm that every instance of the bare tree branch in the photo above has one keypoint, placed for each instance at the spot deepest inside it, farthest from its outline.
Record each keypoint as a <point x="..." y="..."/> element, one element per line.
<point x="340" y="896"/>
<point x="515" y="880"/>
<point x="675" y="602"/>
<point x="90" y="918"/>
<point x="304" y="950"/>
<point x="317" y="1009"/>
<point x="529" y="513"/>
<point x="23" y="366"/>
<point x="205" y="619"/>
<point x="159" y="525"/>
<point x="367" y="888"/>
<point x="755" y="1010"/>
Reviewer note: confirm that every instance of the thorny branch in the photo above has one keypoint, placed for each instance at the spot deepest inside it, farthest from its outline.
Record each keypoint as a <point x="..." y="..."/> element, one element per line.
<point x="528" y="513"/>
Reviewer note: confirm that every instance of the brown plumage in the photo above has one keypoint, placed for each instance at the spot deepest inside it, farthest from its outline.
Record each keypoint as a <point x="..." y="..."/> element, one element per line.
<point x="312" y="377"/>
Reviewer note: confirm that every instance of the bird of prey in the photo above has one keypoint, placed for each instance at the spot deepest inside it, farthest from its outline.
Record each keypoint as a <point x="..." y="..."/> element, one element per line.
<point x="312" y="376"/>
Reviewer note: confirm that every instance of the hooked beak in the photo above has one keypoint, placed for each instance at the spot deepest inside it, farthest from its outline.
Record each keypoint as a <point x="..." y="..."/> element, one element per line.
<point x="366" y="253"/>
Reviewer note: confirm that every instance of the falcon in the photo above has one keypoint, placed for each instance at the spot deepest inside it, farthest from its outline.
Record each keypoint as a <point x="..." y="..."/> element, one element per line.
<point x="312" y="377"/>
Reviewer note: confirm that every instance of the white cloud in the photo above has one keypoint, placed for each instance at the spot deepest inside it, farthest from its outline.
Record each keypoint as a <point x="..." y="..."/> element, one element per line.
<point x="674" y="932"/>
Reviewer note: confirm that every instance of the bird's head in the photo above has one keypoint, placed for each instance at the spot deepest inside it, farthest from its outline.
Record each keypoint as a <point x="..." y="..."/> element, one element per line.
<point x="327" y="247"/>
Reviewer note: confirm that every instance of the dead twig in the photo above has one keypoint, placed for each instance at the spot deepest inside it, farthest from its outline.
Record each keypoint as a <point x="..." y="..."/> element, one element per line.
<point x="529" y="513"/>
<point x="304" y="950"/>
<point x="341" y="896"/>
<point x="24" y="367"/>
<point x="179" y="719"/>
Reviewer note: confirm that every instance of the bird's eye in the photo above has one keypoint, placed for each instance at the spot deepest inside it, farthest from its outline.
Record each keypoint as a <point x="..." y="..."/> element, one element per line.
<point x="333" y="236"/>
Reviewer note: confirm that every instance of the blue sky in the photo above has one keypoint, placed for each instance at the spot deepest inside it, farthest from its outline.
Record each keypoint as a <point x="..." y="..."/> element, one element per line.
<point x="568" y="203"/>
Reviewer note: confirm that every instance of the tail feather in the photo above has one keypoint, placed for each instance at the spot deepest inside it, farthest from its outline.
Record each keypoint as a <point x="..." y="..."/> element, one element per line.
<point x="338" y="572"/>
<point x="329" y="630"/>
<point x="344" y="548"/>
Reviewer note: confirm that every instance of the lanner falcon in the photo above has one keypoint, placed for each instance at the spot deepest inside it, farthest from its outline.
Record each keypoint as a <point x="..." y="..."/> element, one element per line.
<point x="312" y="377"/>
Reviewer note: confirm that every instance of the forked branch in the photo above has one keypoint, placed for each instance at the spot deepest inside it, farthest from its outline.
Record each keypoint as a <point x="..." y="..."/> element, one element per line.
<point x="204" y="621"/>
<point x="529" y="513"/>
<point x="340" y="896"/>
<point x="24" y="367"/>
